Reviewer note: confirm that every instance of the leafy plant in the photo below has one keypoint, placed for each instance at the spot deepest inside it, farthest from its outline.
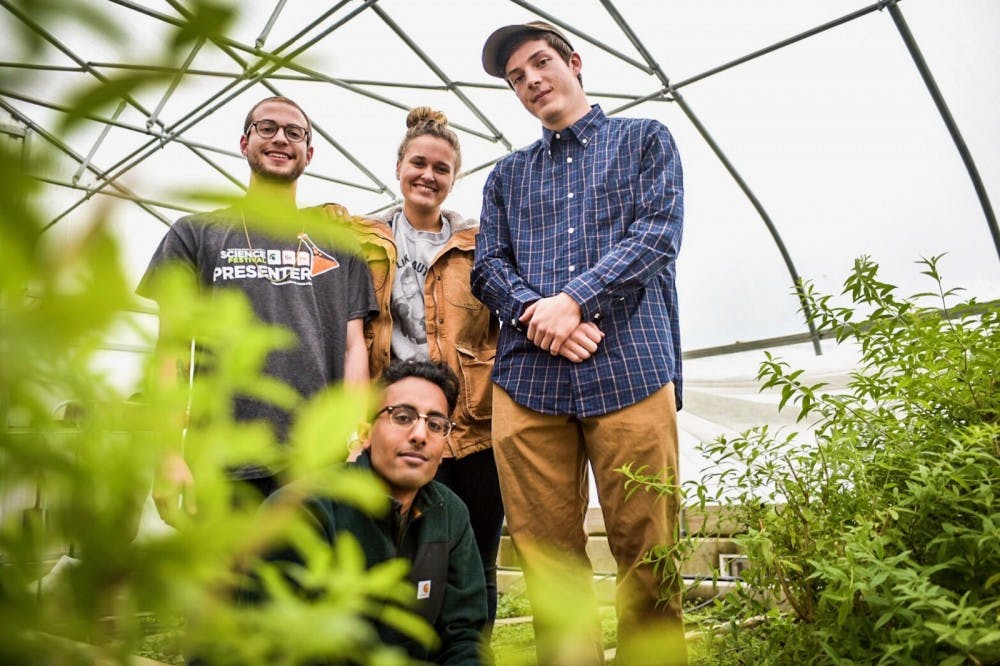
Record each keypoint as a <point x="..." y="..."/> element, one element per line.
<point x="511" y="605"/>
<point x="872" y="537"/>
<point x="75" y="484"/>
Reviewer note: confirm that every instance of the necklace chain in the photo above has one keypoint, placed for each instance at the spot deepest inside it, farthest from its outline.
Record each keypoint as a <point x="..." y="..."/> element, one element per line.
<point x="298" y="250"/>
<point x="246" y="233"/>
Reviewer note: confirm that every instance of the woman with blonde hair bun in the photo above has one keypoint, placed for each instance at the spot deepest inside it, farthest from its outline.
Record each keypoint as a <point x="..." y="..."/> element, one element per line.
<point x="420" y="257"/>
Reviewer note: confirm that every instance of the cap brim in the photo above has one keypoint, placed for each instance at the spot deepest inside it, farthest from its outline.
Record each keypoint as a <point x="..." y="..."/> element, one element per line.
<point x="495" y="42"/>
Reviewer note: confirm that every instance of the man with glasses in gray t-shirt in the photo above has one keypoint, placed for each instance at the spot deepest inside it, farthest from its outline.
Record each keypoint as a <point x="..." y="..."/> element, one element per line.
<point x="295" y="278"/>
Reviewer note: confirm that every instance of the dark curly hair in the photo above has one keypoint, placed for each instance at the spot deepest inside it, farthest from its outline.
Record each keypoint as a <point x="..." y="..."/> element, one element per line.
<point x="436" y="373"/>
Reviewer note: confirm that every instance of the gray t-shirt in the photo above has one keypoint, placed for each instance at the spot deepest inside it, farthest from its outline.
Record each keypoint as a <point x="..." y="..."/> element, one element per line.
<point x="415" y="250"/>
<point x="304" y="284"/>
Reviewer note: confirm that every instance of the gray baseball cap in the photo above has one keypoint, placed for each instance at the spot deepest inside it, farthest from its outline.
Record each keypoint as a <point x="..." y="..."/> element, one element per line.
<point x="494" y="46"/>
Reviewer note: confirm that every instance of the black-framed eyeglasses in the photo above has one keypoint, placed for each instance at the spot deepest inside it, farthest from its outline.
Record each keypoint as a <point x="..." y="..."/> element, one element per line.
<point x="404" y="416"/>
<point x="267" y="128"/>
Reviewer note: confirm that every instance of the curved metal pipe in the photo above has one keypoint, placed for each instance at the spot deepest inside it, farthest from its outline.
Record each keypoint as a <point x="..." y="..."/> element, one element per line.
<point x="759" y="207"/>
<point x="789" y="264"/>
<point x="949" y="121"/>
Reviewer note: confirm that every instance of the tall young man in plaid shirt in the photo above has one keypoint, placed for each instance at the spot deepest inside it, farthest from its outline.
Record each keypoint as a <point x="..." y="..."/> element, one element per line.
<point x="576" y="255"/>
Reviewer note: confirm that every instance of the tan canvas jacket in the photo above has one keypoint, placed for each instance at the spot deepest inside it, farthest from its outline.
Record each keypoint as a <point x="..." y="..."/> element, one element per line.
<point x="460" y="330"/>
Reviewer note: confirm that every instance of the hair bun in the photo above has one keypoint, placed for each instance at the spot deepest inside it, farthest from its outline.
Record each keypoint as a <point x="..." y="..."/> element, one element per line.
<point x="425" y="114"/>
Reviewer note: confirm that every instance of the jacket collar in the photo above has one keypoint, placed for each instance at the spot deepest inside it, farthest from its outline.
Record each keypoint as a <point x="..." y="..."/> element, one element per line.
<point x="457" y="221"/>
<point x="463" y="230"/>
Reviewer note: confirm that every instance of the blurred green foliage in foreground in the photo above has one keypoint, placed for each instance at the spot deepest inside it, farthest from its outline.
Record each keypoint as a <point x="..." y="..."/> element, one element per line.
<point x="76" y="482"/>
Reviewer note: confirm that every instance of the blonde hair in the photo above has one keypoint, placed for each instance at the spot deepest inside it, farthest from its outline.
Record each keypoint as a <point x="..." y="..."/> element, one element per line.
<point x="425" y="121"/>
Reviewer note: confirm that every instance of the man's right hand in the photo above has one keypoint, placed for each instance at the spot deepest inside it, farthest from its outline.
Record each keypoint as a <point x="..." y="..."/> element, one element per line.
<point x="551" y="321"/>
<point x="173" y="490"/>
<point x="582" y="342"/>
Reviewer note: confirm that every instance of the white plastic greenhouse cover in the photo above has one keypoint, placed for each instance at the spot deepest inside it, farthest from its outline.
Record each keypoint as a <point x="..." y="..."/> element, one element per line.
<point x="811" y="117"/>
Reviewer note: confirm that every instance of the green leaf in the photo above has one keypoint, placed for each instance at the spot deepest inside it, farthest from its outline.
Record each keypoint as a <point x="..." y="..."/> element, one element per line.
<point x="207" y="20"/>
<point x="953" y="660"/>
<point x="98" y="97"/>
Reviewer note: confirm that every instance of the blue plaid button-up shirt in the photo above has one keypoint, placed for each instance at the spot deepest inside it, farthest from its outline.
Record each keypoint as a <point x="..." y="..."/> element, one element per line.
<point x="595" y="211"/>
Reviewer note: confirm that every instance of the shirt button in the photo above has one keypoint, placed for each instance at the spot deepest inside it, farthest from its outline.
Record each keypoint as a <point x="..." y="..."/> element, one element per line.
<point x="572" y="268"/>
<point x="597" y="316"/>
<point x="584" y="142"/>
<point x="558" y="135"/>
<point x="570" y="230"/>
<point x="569" y="160"/>
<point x="569" y="196"/>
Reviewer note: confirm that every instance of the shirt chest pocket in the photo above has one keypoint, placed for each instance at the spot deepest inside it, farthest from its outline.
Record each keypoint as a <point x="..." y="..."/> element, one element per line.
<point x="378" y="264"/>
<point x="429" y="574"/>
<point x="610" y="204"/>
<point x="611" y="210"/>
<point x="455" y="275"/>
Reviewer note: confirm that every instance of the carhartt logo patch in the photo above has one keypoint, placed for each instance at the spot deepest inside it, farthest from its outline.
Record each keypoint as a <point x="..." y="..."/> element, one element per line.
<point x="424" y="589"/>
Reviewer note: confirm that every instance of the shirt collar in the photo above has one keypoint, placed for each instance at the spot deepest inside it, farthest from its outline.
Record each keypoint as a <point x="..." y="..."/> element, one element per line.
<point x="583" y="129"/>
<point x="400" y="217"/>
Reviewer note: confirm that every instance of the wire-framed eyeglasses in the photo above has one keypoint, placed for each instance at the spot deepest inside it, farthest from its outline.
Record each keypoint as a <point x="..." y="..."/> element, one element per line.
<point x="267" y="128"/>
<point x="405" y="417"/>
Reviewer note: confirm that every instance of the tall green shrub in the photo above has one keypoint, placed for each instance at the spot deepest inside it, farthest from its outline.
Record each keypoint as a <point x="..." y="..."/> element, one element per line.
<point x="876" y="533"/>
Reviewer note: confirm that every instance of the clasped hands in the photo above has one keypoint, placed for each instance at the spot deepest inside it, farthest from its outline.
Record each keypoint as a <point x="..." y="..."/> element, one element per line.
<point x="554" y="325"/>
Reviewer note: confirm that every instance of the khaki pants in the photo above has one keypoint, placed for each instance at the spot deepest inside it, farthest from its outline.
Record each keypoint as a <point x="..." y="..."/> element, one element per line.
<point x="542" y="463"/>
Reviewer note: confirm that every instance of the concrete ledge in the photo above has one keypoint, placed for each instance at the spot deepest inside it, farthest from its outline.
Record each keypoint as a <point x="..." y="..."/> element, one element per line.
<point x="713" y="520"/>
<point x="715" y="525"/>
<point x="703" y="562"/>
<point x="511" y="581"/>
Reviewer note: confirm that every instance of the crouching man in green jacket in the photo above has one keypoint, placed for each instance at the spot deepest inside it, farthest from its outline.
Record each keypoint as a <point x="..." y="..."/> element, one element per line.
<point x="427" y="523"/>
